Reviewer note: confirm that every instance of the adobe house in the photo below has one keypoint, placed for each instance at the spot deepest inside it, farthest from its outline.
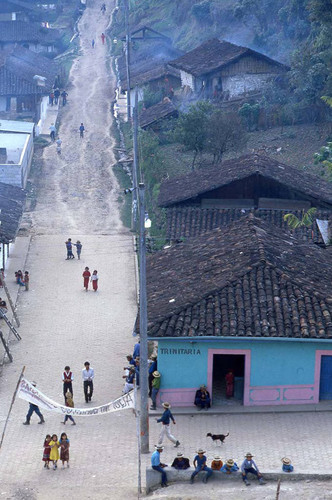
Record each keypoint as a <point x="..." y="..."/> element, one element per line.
<point x="153" y="116"/>
<point x="250" y="298"/>
<point x="214" y="197"/>
<point x="30" y="35"/>
<point x="26" y="78"/>
<point x="220" y="68"/>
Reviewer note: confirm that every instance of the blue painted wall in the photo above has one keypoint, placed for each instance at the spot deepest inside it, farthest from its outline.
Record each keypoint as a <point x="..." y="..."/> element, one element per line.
<point x="184" y="364"/>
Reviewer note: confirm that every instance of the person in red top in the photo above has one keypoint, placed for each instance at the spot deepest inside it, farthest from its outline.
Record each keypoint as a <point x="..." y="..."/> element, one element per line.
<point x="86" y="276"/>
<point x="229" y="384"/>
<point x="103" y="38"/>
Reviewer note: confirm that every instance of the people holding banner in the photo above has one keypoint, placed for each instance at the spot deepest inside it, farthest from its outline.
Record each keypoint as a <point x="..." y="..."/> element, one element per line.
<point x="33" y="408"/>
<point x="88" y="376"/>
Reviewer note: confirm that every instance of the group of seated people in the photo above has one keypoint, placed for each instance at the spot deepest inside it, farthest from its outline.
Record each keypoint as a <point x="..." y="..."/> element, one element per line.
<point x="228" y="467"/>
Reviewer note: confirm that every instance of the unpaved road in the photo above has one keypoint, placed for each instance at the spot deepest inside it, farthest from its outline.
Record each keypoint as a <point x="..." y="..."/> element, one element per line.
<point x="78" y="187"/>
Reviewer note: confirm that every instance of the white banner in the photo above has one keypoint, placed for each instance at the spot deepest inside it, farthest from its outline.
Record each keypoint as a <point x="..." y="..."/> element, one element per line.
<point x="28" y="392"/>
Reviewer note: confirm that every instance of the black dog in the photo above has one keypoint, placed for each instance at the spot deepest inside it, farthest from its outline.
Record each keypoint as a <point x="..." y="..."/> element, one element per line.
<point x="215" y="437"/>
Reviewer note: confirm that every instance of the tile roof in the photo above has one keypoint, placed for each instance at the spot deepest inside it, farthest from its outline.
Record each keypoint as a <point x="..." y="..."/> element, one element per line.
<point x="215" y="54"/>
<point x="249" y="279"/>
<point x="158" y="71"/>
<point x="189" y="186"/>
<point x="12" y="202"/>
<point x="18" y="66"/>
<point x="21" y="31"/>
<point x="157" y="112"/>
<point x="190" y="221"/>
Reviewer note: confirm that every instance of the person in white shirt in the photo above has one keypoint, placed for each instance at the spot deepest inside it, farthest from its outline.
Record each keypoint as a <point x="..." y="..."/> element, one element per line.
<point x="88" y="376"/>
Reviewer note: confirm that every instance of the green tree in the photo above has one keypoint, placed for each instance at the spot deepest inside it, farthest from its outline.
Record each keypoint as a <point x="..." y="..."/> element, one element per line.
<point x="151" y="158"/>
<point x="250" y="114"/>
<point x="306" y="220"/>
<point x="192" y="128"/>
<point x="324" y="157"/>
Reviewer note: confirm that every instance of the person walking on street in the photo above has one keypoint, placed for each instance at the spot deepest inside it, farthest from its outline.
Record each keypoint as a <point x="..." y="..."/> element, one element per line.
<point x="67" y="379"/>
<point x="51" y="98"/>
<point x="69" y="247"/>
<point x="165" y="421"/>
<point x="26" y="280"/>
<point x="200" y="465"/>
<point x="52" y="130"/>
<point x="56" y="96"/>
<point x="88" y="375"/>
<point x="81" y="129"/>
<point x="158" y="466"/>
<point x="70" y="404"/>
<point x="86" y="276"/>
<point x="93" y="43"/>
<point x="103" y="38"/>
<point x="64" y="96"/>
<point x="103" y="8"/>
<point x="33" y="408"/>
<point x="94" y="280"/>
<point x="78" y="246"/>
<point x="58" y="145"/>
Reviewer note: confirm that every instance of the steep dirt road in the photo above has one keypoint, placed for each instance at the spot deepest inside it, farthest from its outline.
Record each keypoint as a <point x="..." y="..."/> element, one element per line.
<point x="79" y="187"/>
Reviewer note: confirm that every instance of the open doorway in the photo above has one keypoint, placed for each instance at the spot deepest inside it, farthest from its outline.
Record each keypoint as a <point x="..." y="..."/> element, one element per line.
<point x="222" y="364"/>
<point x="325" y="386"/>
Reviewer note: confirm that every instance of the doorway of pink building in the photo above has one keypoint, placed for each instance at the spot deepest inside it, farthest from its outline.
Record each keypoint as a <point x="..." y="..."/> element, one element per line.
<point x="228" y="379"/>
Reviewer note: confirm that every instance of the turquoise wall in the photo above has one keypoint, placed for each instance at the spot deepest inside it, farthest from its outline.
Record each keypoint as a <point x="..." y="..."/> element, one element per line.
<point x="184" y="364"/>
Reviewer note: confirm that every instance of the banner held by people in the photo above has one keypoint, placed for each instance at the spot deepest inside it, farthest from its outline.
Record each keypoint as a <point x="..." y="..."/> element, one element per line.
<point x="30" y="393"/>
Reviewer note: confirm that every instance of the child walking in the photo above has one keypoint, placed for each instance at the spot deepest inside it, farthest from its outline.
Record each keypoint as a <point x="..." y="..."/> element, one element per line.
<point x="70" y="404"/>
<point x="54" y="454"/>
<point x="64" y="452"/>
<point x="47" y="451"/>
<point x="86" y="276"/>
<point x="26" y="280"/>
<point x="94" y="280"/>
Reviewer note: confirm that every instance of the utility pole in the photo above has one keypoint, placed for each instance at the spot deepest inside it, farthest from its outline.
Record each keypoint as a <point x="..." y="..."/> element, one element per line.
<point x="126" y="6"/>
<point x="143" y="317"/>
<point x="135" y="163"/>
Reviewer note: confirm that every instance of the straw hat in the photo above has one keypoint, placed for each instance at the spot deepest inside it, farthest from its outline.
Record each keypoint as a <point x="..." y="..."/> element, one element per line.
<point x="286" y="461"/>
<point x="217" y="458"/>
<point x="249" y="455"/>
<point x="156" y="374"/>
<point x="230" y="462"/>
<point x="166" y="405"/>
<point x="153" y="356"/>
<point x="159" y="447"/>
<point x="179" y="455"/>
<point x="200" y="450"/>
<point x="202" y="386"/>
<point x="68" y="394"/>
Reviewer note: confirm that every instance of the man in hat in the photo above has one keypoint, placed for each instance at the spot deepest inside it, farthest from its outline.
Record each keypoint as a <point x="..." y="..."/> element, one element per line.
<point x="229" y="466"/>
<point x="202" y="398"/>
<point x="180" y="462"/>
<point x="158" y="466"/>
<point x="129" y="384"/>
<point x="249" y="466"/>
<point x="165" y="420"/>
<point x="155" y="389"/>
<point x="88" y="374"/>
<point x="216" y="463"/>
<point x="200" y="465"/>
<point x="33" y="408"/>
<point x="152" y="368"/>
<point x="287" y="465"/>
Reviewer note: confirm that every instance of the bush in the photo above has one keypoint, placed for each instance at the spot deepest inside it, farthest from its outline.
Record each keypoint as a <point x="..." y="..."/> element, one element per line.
<point x="201" y="11"/>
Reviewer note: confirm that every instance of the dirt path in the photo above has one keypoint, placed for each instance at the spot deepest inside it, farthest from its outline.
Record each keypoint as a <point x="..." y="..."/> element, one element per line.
<point x="79" y="187"/>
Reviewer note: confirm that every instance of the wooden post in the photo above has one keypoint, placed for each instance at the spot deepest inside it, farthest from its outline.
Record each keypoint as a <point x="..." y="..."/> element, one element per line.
<point x="10" y="357"/>
<point x="3" y="283"/>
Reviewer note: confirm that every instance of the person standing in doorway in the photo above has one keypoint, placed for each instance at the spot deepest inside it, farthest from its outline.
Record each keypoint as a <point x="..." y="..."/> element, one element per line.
<point x="86" y="276"/>
<point x="78" y="246"/>
<point x="33" y="408"/>
<point x="81" y="129"/>
<point x="67" y="378"/>
<point x="88" y="375"/>
<point x="94" y="280"/>
<point x="103" y="38"/>
<point x="229" y="384"/>
<point x="165" y="421"/>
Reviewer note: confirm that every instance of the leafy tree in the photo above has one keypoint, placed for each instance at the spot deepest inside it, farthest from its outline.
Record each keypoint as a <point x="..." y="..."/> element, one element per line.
<point x="151" y="158"/>
<point x="325" y="157"/>
<point x="192" y="128"/>
<point x="225" y="131"/>
<point x="250" y="114"/>
<point x="201" y="11"/>
<point x="151" y="97"/>
<point x="306" y="220"/>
